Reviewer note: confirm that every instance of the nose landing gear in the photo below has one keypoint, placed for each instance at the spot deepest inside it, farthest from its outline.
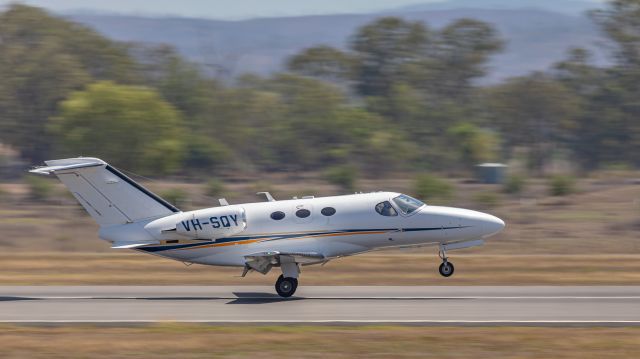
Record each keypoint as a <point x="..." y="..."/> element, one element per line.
<point x="446" y="268"/>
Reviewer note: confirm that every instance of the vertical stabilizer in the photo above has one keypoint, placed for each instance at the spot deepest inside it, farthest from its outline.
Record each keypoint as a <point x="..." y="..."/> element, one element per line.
<point x="107" y="194"/>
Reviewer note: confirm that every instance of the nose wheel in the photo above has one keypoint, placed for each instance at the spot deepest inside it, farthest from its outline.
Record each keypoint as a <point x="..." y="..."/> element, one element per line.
<point x="446" y="268"/>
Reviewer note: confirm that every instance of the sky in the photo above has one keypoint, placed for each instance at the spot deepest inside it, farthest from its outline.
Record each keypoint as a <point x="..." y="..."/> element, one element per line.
<point x="221" y="9"/>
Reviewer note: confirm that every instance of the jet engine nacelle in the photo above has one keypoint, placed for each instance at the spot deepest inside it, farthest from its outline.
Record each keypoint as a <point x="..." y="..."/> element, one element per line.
<point x="210" y="223"/>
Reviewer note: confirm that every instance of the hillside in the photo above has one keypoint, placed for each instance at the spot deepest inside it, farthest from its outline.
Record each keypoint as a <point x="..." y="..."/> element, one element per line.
<point x="569" y="7"/>
<point x="535" y="38"/>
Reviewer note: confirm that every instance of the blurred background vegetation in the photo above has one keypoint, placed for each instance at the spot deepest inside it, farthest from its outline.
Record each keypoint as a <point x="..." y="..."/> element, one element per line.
<point x="401" y="97"/>
<point x="404" y="106"/>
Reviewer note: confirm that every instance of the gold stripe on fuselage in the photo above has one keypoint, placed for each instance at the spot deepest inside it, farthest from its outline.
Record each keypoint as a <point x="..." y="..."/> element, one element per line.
<point x="249" y="241"/>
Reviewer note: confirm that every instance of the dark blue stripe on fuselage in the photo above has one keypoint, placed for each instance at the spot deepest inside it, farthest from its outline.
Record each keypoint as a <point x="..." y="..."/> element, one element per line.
<point x="272" y="237"/>
<point x="431" y="229"/>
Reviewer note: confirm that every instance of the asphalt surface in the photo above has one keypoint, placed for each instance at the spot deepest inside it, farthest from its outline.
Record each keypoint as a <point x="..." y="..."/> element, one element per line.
<point x="603" y="305"/>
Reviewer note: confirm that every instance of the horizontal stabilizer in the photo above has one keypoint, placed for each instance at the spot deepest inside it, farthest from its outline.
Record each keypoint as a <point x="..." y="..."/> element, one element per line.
<point x="67" y="164"/>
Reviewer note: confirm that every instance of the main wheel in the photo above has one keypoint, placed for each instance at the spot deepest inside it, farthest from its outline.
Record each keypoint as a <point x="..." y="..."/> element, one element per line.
<point x="286" y="286"/>
<point x="446" y="269"/>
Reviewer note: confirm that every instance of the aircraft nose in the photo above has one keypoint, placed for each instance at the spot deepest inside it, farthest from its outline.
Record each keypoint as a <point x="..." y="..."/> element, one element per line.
<point x="492" y="224"/>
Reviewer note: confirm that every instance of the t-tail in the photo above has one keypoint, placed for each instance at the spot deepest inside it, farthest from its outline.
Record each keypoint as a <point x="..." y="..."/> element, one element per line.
<point x="109" y="196"/>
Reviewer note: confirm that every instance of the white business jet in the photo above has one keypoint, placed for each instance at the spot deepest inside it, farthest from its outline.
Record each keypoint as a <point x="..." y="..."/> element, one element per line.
<point x="259" y="236"/>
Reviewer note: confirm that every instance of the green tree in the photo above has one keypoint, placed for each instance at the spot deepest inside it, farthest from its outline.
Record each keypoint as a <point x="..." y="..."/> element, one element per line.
<point x="619" y="97"/>
<point x="131" y="126"/>
<point x="381" y="49"/>
<point x="42" y="60"/>
<point x="537" y="112"/>
<point x="428" y="187"/>
<point x="343" y="176"/>
<point x="620" y="21"/>
<point x="180" y="82"/>
<point x="323" y="62"/>
<point x="473" y="144"/>
<point x="463" y="49"/>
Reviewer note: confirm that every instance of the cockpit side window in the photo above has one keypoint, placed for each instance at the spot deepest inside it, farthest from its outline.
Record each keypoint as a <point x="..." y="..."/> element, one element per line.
<point x="385" y="209"/>
<point x="407" y="204"/>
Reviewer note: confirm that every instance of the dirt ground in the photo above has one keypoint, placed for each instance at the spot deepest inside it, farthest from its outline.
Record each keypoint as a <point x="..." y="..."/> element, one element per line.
<point x="590" y="237"/>
<point x="383" y="268"/>
<point x="205" y="341"/>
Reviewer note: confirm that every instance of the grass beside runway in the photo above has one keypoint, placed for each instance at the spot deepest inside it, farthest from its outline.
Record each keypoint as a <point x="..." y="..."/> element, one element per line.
<point x="206" y="341"/>
<point x="381" y="268"/>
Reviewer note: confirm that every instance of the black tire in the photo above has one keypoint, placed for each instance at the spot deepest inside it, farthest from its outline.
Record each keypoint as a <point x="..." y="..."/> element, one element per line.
<point x="286" y="286"/>
<point x="446" y="269"/>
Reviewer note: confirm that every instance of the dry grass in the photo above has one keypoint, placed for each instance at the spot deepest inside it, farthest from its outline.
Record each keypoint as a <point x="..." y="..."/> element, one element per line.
<point x="203" y="341"/>
<point x="587" y="238"/>
<point x="381" y="268"/>
<point x="602" y="218"/>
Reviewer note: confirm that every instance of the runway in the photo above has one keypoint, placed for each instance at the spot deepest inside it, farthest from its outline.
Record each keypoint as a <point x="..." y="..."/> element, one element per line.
<point x="464" y="305"/>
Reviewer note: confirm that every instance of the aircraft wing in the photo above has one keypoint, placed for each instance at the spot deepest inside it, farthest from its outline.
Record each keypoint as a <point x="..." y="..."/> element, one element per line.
<point x="129" y="245"/>
<point x="263" y="262"/>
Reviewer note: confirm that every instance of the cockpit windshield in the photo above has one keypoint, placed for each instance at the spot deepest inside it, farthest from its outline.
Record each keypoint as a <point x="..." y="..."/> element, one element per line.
<point x="407" y="204"/>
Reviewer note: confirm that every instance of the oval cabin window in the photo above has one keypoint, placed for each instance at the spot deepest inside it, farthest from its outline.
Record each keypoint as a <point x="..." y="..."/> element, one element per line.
<point x="328" y="211"/>
<point x="303" y="213"/>
<point x="277" y="215"/>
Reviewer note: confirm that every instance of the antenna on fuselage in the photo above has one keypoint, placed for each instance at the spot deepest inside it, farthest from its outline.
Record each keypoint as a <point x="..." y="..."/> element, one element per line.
<point x="223" y="202"/>
<point x="267" y="195"/>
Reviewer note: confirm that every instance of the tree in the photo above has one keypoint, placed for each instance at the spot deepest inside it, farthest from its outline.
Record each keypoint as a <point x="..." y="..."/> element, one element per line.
<point x="463" y="49"/>
<point x="42" y="60"/>
<point x="418" y="80"/>
<point x="181" y="83"/>
<point x="131" y="126"/>
<point x="537" y="112"/>
<point x="382" y="48"/>
<point x="578" y="74"/>
<point x="620" y="21"/>
<point x="473" y="144"/>
<point x="323" y="62"/>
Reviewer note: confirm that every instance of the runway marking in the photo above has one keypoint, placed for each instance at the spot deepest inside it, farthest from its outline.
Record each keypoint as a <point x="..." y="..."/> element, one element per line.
<point x="331" y="321"/>
<point x="319" y="298"/>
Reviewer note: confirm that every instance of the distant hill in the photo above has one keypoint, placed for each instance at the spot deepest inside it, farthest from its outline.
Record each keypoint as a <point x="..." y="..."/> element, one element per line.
<point x="535" y="38"/>
<point x="569" y="7"/>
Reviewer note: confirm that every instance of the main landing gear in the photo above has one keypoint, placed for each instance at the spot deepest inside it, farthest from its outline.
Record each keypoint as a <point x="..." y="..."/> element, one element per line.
<point x="286" y="286"/>
<point x="287" y="283"/>
<point x="446" y="268"/>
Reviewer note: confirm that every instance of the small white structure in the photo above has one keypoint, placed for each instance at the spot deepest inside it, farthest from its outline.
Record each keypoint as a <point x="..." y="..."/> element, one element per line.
<point x="491" y="173"/>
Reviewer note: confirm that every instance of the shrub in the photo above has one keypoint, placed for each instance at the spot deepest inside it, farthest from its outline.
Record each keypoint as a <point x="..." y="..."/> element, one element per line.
<point x="514" y="184"/>
<point x="40" y="189"/>
<point x="562" y="185"/>
<point x="175" y="196"/>
<point x="214" y="188"/>
<point x="487" y="199"/>
<point x="428" y="186"/>
<point x="343" y="176"/>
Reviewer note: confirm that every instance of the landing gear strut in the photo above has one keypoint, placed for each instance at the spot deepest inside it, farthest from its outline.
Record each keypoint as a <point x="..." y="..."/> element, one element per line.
<point x="446" y="268"/>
